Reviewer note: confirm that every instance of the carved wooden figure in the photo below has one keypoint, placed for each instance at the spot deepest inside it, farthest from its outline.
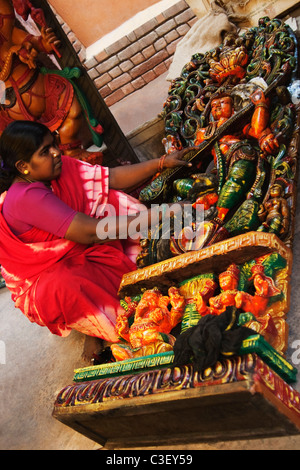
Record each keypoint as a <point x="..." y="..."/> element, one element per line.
<point x="32" y="95"/>
<point x="232" y="107"/>
<point x="152" y="323"/>
<point x="240" y="134"/>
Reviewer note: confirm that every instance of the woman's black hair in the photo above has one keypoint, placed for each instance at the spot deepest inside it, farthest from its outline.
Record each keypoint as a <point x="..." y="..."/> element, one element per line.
<point x="19" y="141"/>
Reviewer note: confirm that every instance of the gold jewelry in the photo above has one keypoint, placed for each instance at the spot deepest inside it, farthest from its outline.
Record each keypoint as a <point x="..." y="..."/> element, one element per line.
<point x="26" y="172"/>
<point x="161" y="163"/>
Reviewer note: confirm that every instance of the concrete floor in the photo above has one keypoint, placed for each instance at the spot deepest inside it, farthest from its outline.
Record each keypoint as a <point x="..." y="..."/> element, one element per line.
<point x="35" y="365"/>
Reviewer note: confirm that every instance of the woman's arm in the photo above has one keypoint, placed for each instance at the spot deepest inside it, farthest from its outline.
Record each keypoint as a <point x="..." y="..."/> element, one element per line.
<point x="88" y="230"/>
<point x="129" y="176"/>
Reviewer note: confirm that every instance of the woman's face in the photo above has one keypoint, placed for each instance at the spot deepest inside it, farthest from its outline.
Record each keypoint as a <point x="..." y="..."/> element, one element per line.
<point x="45" y="164"/>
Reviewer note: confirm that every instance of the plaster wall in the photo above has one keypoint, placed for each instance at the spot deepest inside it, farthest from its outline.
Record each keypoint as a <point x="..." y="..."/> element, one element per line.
<point x="250" y="10"/>
<point x="94" y="19"/>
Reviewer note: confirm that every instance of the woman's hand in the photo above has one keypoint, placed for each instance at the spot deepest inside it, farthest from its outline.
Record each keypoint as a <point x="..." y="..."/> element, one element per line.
<point x="175" y="159"/>
<point x="128" y="177"/>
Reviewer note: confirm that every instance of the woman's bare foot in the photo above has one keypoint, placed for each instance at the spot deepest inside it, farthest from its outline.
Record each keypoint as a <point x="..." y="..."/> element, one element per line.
<point x="92" y="347"/>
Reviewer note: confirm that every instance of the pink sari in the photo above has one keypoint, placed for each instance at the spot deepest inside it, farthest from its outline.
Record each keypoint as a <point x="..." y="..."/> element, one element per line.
<point x="64" y="285"/>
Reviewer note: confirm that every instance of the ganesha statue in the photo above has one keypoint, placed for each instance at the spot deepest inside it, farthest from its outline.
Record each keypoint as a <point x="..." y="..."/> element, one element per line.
<point x="146" y="325"/>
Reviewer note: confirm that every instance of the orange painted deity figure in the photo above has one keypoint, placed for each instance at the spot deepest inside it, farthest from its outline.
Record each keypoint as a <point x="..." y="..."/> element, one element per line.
<point x="32" y="95"/>
<point x="232" y="297"/>
<point x="256" y="304"/>
<point x="243" y="158"/>
<point x="203" y="296"/>
<point x="264" y="289"/>
<point x="153" y="322"/>
<point x="228" y="281"/>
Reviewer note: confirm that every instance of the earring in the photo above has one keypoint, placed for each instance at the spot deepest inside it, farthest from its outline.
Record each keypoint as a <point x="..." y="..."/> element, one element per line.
<point x="26" y="172"/>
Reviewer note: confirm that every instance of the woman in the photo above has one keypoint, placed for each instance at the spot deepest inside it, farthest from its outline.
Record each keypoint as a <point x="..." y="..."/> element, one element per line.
<point x="61" y="274"/>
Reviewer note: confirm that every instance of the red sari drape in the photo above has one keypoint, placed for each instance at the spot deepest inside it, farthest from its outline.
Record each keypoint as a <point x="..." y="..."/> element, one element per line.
<point x="64" y="285"/>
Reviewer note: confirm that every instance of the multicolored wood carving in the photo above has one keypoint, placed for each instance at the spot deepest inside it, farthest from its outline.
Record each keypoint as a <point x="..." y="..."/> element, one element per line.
<point x="227" y="300"/>
<point x="177" y="405"/>
<point x="233" y="108"/>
